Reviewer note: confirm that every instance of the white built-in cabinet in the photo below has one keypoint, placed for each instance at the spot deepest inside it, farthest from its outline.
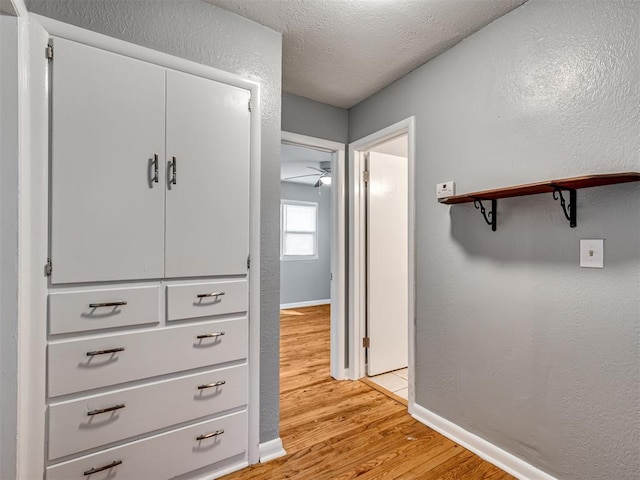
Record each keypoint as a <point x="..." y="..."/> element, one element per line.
<point x="147" y="343"/>
<point x="149" y="170"/>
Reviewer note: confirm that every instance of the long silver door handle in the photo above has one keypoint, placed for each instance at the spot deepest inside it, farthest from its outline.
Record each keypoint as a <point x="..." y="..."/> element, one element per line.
<point x="105" y="410"/>
<point x="115" y="463"/>
<point x="209" y="435"/>
<point x="210" y="335"/>
<point x="107" y="304"/>
<point x="173" y="165"/>
<point x="105" y="352"/>
<point x="212" y="294"/>
<point x="156" y="174"/>
<point x="211" y="385"/>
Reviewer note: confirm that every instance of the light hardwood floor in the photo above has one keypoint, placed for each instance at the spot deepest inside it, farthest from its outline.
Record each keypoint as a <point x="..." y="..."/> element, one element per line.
<point x="343" y="430"/>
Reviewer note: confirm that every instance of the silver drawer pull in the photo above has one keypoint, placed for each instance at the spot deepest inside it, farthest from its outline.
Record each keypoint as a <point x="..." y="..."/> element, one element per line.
<point x="209" y="435"/>
<point x="212" y="294"/>
<point x="210" y="335"/>
<point x="107" y="304"/>
<point x="106" y="410"/>
<point x="210" y="385"/>
<point x="105" y="352"/>
<point x="115" y="463"/>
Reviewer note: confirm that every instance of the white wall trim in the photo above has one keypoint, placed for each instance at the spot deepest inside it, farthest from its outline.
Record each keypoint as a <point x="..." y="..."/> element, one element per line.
<point x="484" y="449"/>
<point x="32" y="249"/>
<point x="308" y="303"/>
<point x="357" y="244"/>
<point x="305" y="140"/>
<point x="33" y="215"/>
<point x="271" y="450"/>
<point x="121" y="47"/>
<point x="338" y="247"/>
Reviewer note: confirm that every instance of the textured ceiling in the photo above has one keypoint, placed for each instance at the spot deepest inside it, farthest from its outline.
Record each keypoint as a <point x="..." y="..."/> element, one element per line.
<point x="342" y="51"/>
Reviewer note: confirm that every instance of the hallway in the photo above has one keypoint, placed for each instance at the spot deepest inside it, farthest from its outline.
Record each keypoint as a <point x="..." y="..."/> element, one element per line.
<point x="344" y="430"/>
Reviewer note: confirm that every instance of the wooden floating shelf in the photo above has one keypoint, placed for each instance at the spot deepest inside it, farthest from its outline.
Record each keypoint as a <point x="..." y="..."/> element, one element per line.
<point x="550" y="186"/>
<point x="544" y="187"/>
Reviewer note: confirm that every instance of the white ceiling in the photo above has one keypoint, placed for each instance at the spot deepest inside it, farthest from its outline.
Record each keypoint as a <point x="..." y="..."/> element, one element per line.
<point x="342" y="51"/>
<point x="296" y="161"/>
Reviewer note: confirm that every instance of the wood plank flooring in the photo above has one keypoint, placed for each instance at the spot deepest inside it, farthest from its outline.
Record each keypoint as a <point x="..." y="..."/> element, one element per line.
<point x="345" y="430"/>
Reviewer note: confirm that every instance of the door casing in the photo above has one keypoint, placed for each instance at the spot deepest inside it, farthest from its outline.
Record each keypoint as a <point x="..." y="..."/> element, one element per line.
<point x="338" y="246"/>
<point x="357" y="248"/>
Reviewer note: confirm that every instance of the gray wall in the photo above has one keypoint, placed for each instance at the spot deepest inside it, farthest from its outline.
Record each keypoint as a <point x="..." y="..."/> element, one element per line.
<point x="307" y="280"/>
<point x="197" y="31"/>
<point x="8" y="245"/>
<point x="514" y="341"/>
<point x="308" y="117"/>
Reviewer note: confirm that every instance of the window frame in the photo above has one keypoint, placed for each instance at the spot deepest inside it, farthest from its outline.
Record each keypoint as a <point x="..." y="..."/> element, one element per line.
<point x="289" y="258"/>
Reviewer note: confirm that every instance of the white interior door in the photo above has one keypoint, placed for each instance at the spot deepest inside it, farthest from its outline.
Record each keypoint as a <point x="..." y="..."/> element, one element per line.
<point x="107" y="213"/>
<point x="387" y="263"/>
<point x="207" y="224"/>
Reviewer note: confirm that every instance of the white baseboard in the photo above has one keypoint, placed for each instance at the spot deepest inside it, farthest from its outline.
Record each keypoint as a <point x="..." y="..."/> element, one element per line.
<point x="271" y="450"/>
<point x="310" y="303"/>
<point x="481" y="447"/>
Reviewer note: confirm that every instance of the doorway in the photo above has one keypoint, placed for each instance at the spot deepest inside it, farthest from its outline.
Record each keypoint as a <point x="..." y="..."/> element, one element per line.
<point x="387" y="256"/>
<point x="381" y="255"/>
<point x="323" y="172"/>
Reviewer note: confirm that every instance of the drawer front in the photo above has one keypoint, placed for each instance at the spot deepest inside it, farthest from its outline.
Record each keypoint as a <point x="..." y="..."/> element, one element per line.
<point x="138" y="410"/>
<point x="103" y="308"/>
<point x="77" y="365"/>
<point x="162" y="456"/>
<point x="200" y="300"/>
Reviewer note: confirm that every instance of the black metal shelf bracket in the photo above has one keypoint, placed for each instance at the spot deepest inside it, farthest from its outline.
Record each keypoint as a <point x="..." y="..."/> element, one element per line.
<point x="570" y="211"/>
<point x="491" y="217"/>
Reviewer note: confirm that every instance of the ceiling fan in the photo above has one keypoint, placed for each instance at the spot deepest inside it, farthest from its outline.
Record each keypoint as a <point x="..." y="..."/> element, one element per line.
<point x="323" y="174"/>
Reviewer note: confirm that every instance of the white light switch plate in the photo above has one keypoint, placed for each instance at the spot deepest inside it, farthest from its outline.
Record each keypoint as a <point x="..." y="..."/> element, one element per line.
<point x="446" y="189"/>
<point x="592" y="253"/>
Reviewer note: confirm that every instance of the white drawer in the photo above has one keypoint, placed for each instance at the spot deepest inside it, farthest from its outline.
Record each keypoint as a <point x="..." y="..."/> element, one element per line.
<point x="195" y="300"/>
<point x="162" y="456"/>
<point x="85" y="310"/>
<point x="76" y="365"/>
<point x="142" y="409"/>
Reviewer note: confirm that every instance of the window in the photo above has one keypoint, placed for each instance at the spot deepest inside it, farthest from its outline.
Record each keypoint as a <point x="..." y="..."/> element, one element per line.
<point x="299" y="230"/>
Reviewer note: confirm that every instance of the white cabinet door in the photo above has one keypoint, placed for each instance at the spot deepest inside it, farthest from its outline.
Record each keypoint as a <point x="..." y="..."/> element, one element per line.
<point x="207" y="205"/>
<point x="107" y="215"/>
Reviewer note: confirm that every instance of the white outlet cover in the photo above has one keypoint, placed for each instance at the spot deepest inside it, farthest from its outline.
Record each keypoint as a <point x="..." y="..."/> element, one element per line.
<point x="592" y="253"/>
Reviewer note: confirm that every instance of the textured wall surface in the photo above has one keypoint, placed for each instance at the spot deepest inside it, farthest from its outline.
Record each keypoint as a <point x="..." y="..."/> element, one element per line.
<point x="308" y="117"/>
<point x="8" y="245"/>
<point x="307" y="280"/>
<point x="206" y="34"/>
<point x="514" y="341"/>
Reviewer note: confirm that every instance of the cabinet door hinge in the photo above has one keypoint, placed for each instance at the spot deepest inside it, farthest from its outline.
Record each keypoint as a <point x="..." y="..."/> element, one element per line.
<point x="366" y="342"/>
<point x="49" y="52"/>
<point x="249" y="105"/>
<point x="48" y="268"/>
<point x="248" y="262"/>
<point x="365" y="176"/>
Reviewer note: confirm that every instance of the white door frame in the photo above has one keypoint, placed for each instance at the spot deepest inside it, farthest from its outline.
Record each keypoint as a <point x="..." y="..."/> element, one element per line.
<point x="338" y="250"/>
<point x="357" y="247"/>
<point x="34" y="31"/>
